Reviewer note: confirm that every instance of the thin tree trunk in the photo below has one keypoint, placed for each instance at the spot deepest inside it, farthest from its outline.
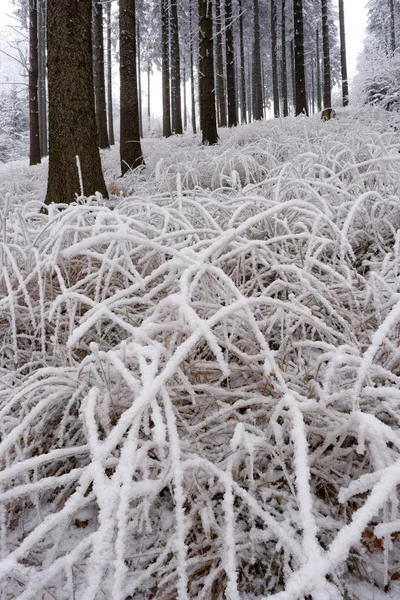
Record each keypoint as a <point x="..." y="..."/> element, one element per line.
<point x="192" y="86"/>
<point x="250" y="103"/>
<point x="42" y="77"/>
<point x="130" y="149"/>
<point x="392" y="26"/>
<point x="208" y="117"/>
<point x="319" y="91"/>
<point x="327" y="60"/>
<point x="139" y="72"/>
<point x="72" y="121"/>
<point x="230" y="65"/>
<point x="148" y="96"/>
<point x="165" y="68"/>
<point x="257" y="75"/>
<point x="300" y="76"/>
<point x="243" y="103"/>
<point x="221" y="100"/>
<point x="284" y="65"/>
<point x="176" y="106"/>
<point x="312" y="86"/>
<point x="343" y="57"/>
<point x="274" y="53"/>
<point x="34" y="136"/>
<point x="111" y="137"/>
<point x="100" y="87"/>
<point x="293" y="72"/>
<point x="184" y="98"/>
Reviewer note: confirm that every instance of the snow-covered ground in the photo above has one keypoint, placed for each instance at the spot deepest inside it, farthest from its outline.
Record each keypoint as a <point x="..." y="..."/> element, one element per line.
<point x="199" y="381"/>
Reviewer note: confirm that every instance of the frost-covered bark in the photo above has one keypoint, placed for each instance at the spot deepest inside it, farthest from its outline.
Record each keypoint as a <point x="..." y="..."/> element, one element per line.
<point x="72" y="121"/>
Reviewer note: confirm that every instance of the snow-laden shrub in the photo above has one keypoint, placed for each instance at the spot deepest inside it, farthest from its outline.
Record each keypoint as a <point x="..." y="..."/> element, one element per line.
<point x="199" y="393"/>
<point x="14" y="126"/>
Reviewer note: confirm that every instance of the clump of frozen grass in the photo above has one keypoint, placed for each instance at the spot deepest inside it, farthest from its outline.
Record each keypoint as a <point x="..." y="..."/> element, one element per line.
<point x="199" y="388"/>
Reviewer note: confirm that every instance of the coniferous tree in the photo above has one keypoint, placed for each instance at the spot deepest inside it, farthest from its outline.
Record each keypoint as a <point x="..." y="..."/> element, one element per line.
<point x="343" y="57"/>
<point x="284" y="65"/>
<point x="243" y="99"/>
<point x="257" y="76"/>
<point x="220" y="77"/>
<point x="111" y="137"/>
<point x="392" y="26"/>
<point x="274" y="53"/>
<point x="230" y="65"/>
<point x="299" y="70"/>
<point x="319" y="92"/>
<point x="42" y="76"/>
<point x="176" y="108"/>
<point x="208" y="117"/>
<point x="326" y="53"/>
<point x="192" y="86"/>
<point x="34" y="134"/>
<point x="166" y="101"/>
<point x="100" y="87"/>
<point x="130" y="148"/>
<point x="72" y="121"/>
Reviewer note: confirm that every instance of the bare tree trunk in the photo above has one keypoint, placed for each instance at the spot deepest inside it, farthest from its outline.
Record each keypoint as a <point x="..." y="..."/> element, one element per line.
<point x="319" y="92"/>
<point x="343" y="57"/>
<point x="34" y="136"/>
<point x="257" y="75"/>
<point x="184" y="98"/>
<point x="220" y="77"/>
<point x="392" y="26"/>
<point x="111" y="137"/>
<point x="176" y="107"/>
<point x="192" y="86"/>
<point x="100" y="87"/>
<point x="327" y="60"/>
<point x="274" y="53"/>
<point x="293" y="67"/>
<point x="208" y="117"/>
<point x="230" y="66"/>
<point x="42" y="77"/>
<point x="148" y="96"/>
<point x="300" y="76"/>
<point x="243" y="103"/>
<point x="284" y="65"/>
<point x="139" y="75"/>
<point x="130" y="149"/>
<point x="72" y="121"/>
<point x="165" y="68"/>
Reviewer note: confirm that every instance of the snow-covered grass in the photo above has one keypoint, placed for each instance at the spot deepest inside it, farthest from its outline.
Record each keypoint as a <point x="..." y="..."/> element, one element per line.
<point x="199" y="381"/>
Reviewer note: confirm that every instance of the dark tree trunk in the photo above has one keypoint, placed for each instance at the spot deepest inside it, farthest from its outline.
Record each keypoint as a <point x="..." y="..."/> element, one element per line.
<point x="192" y="94"/>
<point x="34" y="134"/>
<point x="42" y="89"/>
<point x="257" y="76"/>
<point x="72" y="121"/>
<point x="130" y="149"/>
<point x="292" y="62"/>
<point x="327" y="60"/>
<point x="284" y="65"/>
<point x="274" y="53"/>
<point x="184" y="98"/>
<point x="300" y="76"/>
<point x="243" y="103"/>
<point x="392" y="26"/>
<point x="222" y="116"/>
<point x="139" y="76"/>
<point x="100" y="87"/>
<point x="176" y="107"/>
<point x="208" y="117"/>
<point x="111" y="137"/>
<point x="165" y="68"/>
<point x="312" y="86"/>
<point x="230" y="66"/>
<point x="343" y="57"/>
<point x="148" y="96"/>
<point x="319" y="92"/>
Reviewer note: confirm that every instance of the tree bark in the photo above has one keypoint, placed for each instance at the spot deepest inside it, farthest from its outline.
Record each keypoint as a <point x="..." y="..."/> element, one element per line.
<point x="243" y="102"/>
<point x="192" y="86"/>
<point x="392" y="26"/>
<point x="319" y="92"/>
<point x="42" y="77"/>
<point x="72" y="121"/>
<point x="220" y="77"/>
<point x="34" y="135"/>
<point x="130" y="149"/>
<point x="230" y="66"/>
<point x="343" y="57"/>
<point x="257" y="76"/>
<point x="327" y="60"/>
<point x="176" y="105"/>
<point x="111" y="137"/>
<point x="166" y="100"/>
<point x="300" y="76"/>
<point x="148" y="96"/>
<point x="208" y="117"/>
<point x="100" y="87"/>
<point x="274" y="53"/>
<point x="139" y="77"/>
<point x="284" y="65"/>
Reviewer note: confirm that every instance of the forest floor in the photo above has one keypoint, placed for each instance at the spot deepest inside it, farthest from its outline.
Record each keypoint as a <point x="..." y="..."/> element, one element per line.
<point x="200" y="378"/>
